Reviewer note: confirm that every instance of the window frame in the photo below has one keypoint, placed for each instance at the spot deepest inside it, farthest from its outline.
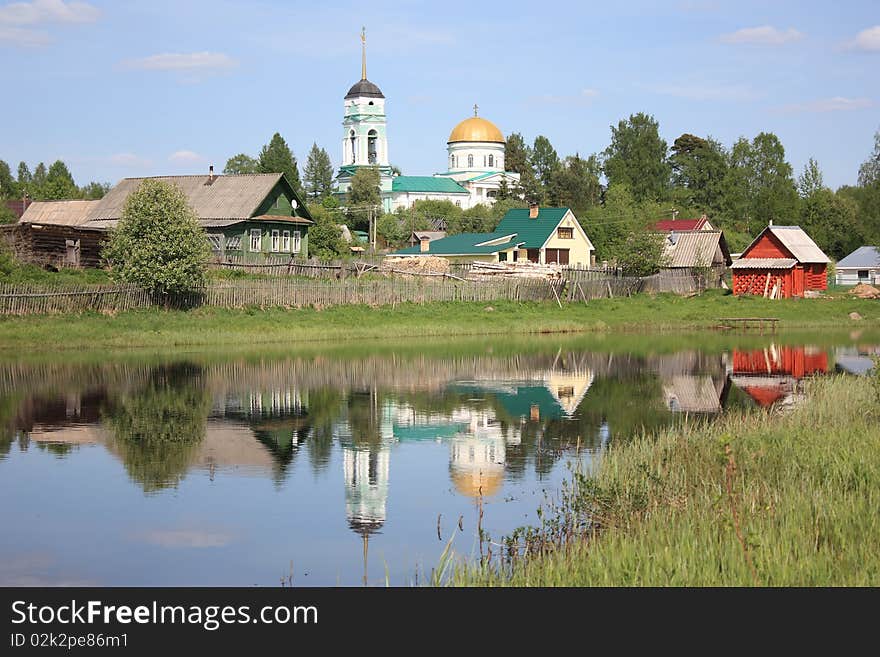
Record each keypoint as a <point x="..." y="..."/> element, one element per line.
<point x="297" y="242"/>
<point x="568" y="230"/>
<point x="275" y="244"/>
<point x="256" y="233"/>
<point x="285" y="241"/>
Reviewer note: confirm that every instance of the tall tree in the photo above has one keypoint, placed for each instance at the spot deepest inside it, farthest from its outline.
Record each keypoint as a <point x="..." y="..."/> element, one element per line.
<point x="95" y="190"/>
<point x="575" y="183"/>
<point x="364" y="196"/>
<point x="38" y="181"/>
<point x="544" y="160"/>
<point x="318" y="173"/>
<point x="832" y="221"/>
<point x="59" y="183"/>
<point x="276" y="157"/>
<point x="869" y="172"/>
<point x="699" y="167"/>
<point x="517" y="156"/>
<point x="241" y="163"/>
<point x="8" y="186"/>
<point x="775" y="193"/>
<point x="636" y="158"/>
<point x="810" y="181"/>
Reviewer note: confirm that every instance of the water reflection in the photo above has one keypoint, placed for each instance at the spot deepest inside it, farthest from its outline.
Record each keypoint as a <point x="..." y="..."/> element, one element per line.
<point x="487" y="424"/>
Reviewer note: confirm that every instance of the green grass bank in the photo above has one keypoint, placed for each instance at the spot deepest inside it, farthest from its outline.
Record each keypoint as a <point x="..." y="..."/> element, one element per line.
<point x="157" y="328"/>
<point x="751" y="499"/>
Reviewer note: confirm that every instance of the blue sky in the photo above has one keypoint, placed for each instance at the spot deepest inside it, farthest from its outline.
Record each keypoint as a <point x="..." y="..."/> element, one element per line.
<point x="130" y="88"/>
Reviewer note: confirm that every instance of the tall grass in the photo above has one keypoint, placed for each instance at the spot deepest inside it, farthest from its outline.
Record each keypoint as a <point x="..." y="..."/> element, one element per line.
<point x="753" y="499"/>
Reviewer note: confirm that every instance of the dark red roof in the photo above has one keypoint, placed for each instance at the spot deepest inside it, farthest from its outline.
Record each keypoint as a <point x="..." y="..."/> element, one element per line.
<point x="18" y="207"/>
<point x="667" y="225"/>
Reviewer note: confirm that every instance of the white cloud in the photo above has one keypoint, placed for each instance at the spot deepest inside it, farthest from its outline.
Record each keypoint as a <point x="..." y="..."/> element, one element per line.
<point x="185" y="156"/>
<point x="764" y="35"/>
<point x="868" y="39"/>
<point x="836" y="104"/>
<point x="585" y="96"/>
<point x="183" y="62"/>
<point x="700" y="92"/>
<point x="18" y="36"/>
<point x="48" y="11"/>
<point x="129" y="160"/>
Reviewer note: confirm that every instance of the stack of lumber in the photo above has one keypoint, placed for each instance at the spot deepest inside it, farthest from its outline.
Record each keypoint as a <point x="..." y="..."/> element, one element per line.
<point x="864" y="291"/>
<point x="415" y="265"/>
<point x="481" y="271"/>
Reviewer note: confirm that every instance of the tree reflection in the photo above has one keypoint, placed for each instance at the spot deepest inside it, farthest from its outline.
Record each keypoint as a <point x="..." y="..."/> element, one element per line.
<point x="157" y="429"/>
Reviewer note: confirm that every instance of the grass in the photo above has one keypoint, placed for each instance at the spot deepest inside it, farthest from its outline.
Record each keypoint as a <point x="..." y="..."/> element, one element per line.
<point x="201" y="327"/>
<point x="752" y="499"/>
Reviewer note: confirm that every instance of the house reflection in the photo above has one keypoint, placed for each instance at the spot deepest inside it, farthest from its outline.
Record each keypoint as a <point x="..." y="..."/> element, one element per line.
<point x="773" y="376"/>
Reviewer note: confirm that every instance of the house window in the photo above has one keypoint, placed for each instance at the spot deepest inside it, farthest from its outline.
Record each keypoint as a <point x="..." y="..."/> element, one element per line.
<point x="276" y="241"/>
<point x="285" y="241"/>
<point x="470" y="161"/>
<point x="233" y="243"/>
<point x="256" y="240"/>
<point x="515" y="255"/>
<point x="296" y="241"/>
<point x="492" y="193"/>
<point x="215" y="241"/>
<point x="502" y="256"/>
<point x="864" y="274"/>
<point x="565" y="233"/>
<point x="556" y="256"/>
<point x="491" y="160"/>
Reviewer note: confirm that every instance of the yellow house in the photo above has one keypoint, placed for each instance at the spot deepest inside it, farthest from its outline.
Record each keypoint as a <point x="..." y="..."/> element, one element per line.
<point x="542" y="235"/>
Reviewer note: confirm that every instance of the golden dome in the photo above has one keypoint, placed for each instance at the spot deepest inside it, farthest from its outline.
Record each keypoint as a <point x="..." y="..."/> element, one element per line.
<point x="476" y="129"/>
<point x="469" y="483"/>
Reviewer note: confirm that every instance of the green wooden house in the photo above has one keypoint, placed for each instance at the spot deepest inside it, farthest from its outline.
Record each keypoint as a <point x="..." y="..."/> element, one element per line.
<point x="247" y="217"/>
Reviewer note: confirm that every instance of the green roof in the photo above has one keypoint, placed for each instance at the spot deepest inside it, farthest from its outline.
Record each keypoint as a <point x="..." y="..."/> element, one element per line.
<point x="518" y="401"/>
<point x="534" y="232"/>
<point x="464" y="244"/>
<point x="426" y="184"/>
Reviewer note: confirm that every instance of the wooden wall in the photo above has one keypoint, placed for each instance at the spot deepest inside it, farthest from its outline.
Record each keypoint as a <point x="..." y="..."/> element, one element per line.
<point x="47" y="245"/>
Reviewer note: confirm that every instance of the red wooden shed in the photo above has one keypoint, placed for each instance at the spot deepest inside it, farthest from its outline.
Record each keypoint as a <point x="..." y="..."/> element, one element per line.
<point x="784" y="258"/>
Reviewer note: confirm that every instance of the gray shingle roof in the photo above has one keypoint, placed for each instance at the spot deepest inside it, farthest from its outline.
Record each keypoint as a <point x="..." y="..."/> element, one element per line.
<point x="798" y="243"/>
<point x="694" y="248"/>
<point x="864" y="257"/>
<point x="764" y="263"/>
<point x="228" y="197"/>
<point x="58" y="213"/>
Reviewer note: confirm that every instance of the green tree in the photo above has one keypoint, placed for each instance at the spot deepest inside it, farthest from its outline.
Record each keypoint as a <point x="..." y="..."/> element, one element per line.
<point x="641" y="254"/>
<point x="8" y="186"/>
<point x="38" y="182"/>
<point x="575" y="184"/>
<point x="241" y="163"/>
<point x="7" y="216"/>
<point x="517" y="156"/>
<point x="699" y="167"/>
<point x="544" y="160"/>
<point x="832" y="221"/>
<point x="276" y="157"/>
<point x="158" y="243"/>
<point x="95" y="190"/>
<point x="24" y="178"/>
<point x="59" y="183"/>
<point x="811" y="180"/>
<point x="318" y="173"/>
<point x="774" y="192"/>
<point x="609" y="226"/>
<point x="364" y="197"/>
<point x="869" y="171"/>
<point x="636" y="158"/>
<point x="325" y="236"/>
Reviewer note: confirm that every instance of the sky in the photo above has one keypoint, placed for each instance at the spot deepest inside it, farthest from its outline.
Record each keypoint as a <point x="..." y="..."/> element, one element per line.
<point x="124" y="88"/>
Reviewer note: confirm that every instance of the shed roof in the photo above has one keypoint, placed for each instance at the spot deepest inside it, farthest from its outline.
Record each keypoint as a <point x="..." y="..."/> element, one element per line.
<point x="227" y="197"/>
<point x="764" y="263"/>
<point x="435" y="184"/>
<point x="694" y="248"/>
<point x="465" y="244"/>
<point x="681" y="224"/>
<point x="532" y="232"/>
<point x="798" y="243"/>
<point x="58" y="213"/>
<point x="864" y="257"/>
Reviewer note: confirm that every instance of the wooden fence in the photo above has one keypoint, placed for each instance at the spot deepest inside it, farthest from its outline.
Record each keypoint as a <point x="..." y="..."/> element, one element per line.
<point x="285" y="293"/>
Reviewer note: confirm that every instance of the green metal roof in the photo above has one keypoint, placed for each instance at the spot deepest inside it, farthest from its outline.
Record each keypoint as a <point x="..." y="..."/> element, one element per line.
<point x="533" y="232"/>
<point x="427" y="184"/>
<point x="518" y="402"/>
<point x="464" y="244"/>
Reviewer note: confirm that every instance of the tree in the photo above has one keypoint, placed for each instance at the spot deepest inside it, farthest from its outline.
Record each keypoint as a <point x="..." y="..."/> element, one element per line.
<point x="276" y="157"/>
<point x="517" y="156"/>
<point x="641" y="254"/>
<point x="699" y="167"/>
<point x="7" y="216"/>
<point x="544" y="160"/>
<point x="364" y="196"/>
<point x="59" y="183"/>
<point x="325" y="236"/>
<point x="38" y="182"/>
<point x="831" y="220"/>
<point x="95" y="190"/>
<point x="775" y="194"/>
<point x="241" y="163"/>
<point x="318" y="173"/>
<point x="24" y="178"/>
<point x="869" y="171"/>
<point x="609" y="225"/>
<point x="810" y="181"/>
<point x="636" y="158"/>
<point x="575" y="184"/>
<point x="8" y="186"/>
<point x="158" y="243"/>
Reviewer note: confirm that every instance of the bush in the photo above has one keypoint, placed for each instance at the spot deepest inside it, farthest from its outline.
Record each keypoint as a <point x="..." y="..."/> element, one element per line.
<point x="158" y="243"/>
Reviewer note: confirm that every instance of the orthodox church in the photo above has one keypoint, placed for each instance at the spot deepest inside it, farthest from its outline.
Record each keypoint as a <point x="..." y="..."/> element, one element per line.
<point x="475" y="154"/>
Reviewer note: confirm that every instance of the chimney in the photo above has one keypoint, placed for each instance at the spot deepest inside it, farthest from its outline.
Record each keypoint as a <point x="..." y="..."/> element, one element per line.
<point x="424" y="244"/>
<point x="771" y="223"/>
<point x="533" y="210"/>
<point x="210" y="180"/>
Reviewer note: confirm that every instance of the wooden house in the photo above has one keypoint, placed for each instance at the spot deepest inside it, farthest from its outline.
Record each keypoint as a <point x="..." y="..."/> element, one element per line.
<point x="697" y="250"/>
<point x="541" y="235"/>
<point x="53" y="233"/>
<point x="246" y="217"/>
<point x="781" y="258"/>
<point x="860" y="266"/>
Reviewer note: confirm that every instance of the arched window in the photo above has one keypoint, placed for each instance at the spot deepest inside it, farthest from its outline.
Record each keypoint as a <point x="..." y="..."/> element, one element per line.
<point x="353" y="147"/>
<point x="372" y="138"/>
<point x="452" y="161"/>
<point x="491" y="160"/>
<point x="484" y="160"/>
<point x="470" y="161"/>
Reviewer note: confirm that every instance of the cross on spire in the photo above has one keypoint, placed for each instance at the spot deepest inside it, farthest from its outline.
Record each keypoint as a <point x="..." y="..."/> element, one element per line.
<point x="363" y="53"/>
<point x="476" y="107"/>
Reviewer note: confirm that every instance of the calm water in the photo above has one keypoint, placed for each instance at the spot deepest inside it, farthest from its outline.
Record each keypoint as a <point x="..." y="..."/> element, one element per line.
<point x="199" y="469"/>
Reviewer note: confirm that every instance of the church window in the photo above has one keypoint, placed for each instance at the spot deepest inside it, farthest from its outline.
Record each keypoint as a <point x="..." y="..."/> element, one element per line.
<point x="353" y="147"/>
<point x="372" y="138"/>
<point x="484" y="160"/>
<point x="452" y="161"/>
<point x="470" y="161"/>
<point x="491" y="160"/>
